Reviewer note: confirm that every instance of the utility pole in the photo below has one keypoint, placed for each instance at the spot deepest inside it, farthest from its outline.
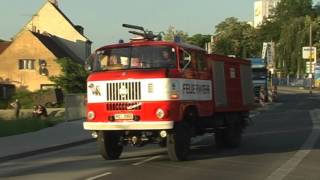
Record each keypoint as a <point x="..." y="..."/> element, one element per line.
<point x="310" y="58"/>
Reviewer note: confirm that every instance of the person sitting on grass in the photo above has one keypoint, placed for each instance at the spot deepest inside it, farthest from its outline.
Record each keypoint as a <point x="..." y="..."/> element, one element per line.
<point x="42" y="111"/>
<point x="39" y="111"/>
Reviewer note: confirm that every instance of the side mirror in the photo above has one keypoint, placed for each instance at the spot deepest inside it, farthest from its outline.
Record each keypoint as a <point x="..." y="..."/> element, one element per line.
<point x="89" y="62"/>
<point x="88" y="67"/>
<point x="187" y="61"/>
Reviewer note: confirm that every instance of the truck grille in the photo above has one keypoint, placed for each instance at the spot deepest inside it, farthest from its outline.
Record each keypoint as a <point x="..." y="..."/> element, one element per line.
<point x="123" y="106"/>
<point x="123" y="91"/>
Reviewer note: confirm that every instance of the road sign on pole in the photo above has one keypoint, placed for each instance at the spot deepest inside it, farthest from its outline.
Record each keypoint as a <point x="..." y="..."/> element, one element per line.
<point x="309" y="53"/>
<point x="264" y="50"/>
<point x="308" y="69"/>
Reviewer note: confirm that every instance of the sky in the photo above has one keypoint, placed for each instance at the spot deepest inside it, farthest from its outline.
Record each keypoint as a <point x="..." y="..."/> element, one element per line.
<point x="103" y="19"/>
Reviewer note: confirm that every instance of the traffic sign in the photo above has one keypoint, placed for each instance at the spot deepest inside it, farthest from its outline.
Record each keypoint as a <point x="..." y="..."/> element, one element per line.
<point x="308" y="67"/>
<point x="309" y="53"/>
<point x="264" y="50"/>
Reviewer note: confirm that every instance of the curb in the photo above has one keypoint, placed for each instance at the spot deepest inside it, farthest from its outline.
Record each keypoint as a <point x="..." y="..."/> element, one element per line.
<point x="45" y="150"/>
<point x="299" y="89"/>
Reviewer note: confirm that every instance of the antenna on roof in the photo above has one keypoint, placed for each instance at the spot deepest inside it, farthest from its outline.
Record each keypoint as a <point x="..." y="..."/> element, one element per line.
<point x="54" y="2"/>
<point x="145" y="33"/>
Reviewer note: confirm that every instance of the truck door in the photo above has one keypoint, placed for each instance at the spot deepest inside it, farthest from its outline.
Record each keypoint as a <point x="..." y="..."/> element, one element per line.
<point x="201" y="66"/>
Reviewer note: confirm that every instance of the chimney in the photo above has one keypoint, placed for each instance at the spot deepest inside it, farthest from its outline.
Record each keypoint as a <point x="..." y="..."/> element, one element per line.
<point x="54" y="2"/>
<point x="80" y="29"/>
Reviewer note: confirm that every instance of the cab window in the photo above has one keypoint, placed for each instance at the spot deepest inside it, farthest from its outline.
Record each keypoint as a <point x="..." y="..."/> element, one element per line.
<point x="185" y="59"/>
<point x="201" y="62"/>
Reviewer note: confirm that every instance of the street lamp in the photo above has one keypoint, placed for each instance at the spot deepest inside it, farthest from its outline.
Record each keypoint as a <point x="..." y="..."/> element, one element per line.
<point x="310" y="59"/>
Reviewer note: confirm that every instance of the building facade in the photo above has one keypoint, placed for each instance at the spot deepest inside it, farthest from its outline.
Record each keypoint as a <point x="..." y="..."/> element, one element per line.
<point x="29" y="59"/>
<point x="263" y="10"/>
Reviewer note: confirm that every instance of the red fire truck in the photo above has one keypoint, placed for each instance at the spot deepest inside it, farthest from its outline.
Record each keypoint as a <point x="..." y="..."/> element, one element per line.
<point x="153" y="91"/>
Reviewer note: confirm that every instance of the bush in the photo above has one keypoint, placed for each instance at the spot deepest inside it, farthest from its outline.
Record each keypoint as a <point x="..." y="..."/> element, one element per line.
<point x="25" y="125"/>
<point x="4" y="103"/>
<point x="73" y="78"/>
<point x="26" y="99"/>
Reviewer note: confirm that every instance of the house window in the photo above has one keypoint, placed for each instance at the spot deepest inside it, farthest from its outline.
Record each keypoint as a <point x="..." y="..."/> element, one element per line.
<point x="26" y="64"/>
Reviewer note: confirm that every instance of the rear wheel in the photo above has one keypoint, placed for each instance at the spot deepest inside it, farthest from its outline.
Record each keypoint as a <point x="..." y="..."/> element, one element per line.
<point x="231" y="135"/>
<point x="178" y="142"/>
<point x="109" y="144"/>
<point x="219" y="138"/>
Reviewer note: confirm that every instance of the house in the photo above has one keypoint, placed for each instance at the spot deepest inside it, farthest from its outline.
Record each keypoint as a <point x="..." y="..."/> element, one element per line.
<point x="28" y="60"/>
<point x="50" y="19"/>
<point x="6" y="89"/>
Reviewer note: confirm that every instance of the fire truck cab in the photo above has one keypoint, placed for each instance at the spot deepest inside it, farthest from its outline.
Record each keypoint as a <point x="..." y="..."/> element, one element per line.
<point x="153" y="91"/>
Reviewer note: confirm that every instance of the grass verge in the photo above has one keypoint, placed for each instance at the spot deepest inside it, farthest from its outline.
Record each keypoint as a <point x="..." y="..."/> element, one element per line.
<point x="25" y="125"/>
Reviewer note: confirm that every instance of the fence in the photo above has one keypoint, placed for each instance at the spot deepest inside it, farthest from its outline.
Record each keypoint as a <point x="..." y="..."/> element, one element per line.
<point x="293" y="82"/>
<point x="75" y="106"/>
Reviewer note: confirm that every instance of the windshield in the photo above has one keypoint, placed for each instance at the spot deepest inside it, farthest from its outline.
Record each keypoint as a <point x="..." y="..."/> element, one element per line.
<point x="141" y="57"/>
<point x="259" y="74"/>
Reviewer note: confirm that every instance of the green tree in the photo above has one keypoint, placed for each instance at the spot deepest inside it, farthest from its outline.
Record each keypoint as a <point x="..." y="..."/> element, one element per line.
<point x="199" y="40"/>
<point x="287" y="9"/>
<point x="289" y="47"/>
<point x="233" y="37"/>
<point x="73" y="76"/>
<point x="289" y="29"/>
<point x="172" y="32"/>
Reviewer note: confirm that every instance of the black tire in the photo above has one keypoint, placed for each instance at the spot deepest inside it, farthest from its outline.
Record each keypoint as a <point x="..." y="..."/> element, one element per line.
<point x="219" y="139"/>
<point x="231" y="135"/>
<point x="178" y="142"/>
<point x="109" y="145"/>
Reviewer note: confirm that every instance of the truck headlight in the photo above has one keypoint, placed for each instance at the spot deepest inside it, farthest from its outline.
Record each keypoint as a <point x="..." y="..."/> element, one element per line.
<point x="160" y="113"/>
<point x="91" y="115"/>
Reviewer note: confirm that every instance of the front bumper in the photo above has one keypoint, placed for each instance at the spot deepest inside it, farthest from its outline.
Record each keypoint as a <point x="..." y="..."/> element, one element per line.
<point x="162" y="125"/>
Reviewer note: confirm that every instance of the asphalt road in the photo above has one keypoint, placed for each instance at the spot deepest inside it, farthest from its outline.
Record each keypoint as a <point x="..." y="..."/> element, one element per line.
<point x="283" y="143"/>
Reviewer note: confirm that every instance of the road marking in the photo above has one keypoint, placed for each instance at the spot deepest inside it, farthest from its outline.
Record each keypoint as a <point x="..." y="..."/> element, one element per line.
<point x="305" y="149"/>
<point x="99" y="176"/>
<point x="275" y="132"/>
<point x="147" y="160"/>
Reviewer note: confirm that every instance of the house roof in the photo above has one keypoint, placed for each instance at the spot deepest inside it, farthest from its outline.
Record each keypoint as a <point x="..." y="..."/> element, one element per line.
<point x="4" y="45"/>
<point x="58" y="49"/>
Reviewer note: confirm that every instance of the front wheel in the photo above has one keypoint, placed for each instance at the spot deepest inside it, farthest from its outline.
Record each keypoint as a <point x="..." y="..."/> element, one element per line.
<point x="109" y="144"/>
<point x="178" y="142"/>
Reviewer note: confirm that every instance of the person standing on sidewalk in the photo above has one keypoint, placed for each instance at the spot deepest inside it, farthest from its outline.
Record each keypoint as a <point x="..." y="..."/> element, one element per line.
<point x="17" y="106"/>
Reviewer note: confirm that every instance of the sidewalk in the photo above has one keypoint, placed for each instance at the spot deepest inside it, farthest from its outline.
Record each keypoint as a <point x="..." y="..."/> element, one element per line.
<point x="297" y="89"/>
<point x="53" y="138"/>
